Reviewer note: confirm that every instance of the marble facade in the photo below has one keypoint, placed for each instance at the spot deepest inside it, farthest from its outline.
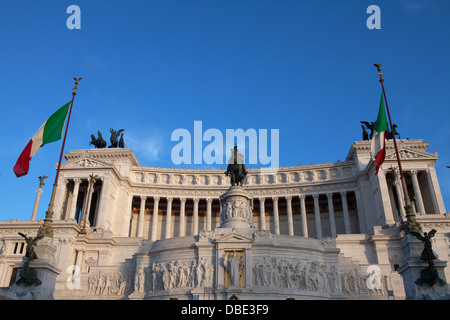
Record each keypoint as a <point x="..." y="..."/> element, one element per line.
<point x="319" y="231"/>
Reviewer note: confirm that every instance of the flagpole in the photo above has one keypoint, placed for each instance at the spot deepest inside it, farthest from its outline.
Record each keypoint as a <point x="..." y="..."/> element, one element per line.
<point x="46" y="229"/>
<point x="410" y="224"/>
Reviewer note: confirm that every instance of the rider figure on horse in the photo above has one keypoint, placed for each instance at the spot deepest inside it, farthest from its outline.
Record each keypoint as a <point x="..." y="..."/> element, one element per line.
<point x="236" y="168"/>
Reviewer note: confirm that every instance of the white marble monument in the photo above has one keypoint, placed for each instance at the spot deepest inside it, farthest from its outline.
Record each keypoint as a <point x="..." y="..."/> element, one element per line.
<point x="318" y="231"/>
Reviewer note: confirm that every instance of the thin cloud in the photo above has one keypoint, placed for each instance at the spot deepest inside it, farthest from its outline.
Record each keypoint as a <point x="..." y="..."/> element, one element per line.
<point x="418" y="6"/>
<point x="421" y="5"/>
<point x="147" y="147"/>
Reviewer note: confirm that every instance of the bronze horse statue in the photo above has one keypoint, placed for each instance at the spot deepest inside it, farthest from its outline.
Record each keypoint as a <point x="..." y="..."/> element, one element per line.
<point x="98" y="142"/>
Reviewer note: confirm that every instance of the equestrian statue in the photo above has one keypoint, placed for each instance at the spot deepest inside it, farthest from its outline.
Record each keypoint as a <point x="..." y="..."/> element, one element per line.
<point x="236" y="168"/>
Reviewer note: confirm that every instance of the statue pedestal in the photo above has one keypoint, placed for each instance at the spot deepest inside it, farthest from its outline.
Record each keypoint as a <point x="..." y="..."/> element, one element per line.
<point x="43" y="268"/>
<point x="137" y="296"/>
<point x="411" y="270"/>
<point x="234" y="237"/>
<point x="237" y="293"/>
<point x="236" y="210"/>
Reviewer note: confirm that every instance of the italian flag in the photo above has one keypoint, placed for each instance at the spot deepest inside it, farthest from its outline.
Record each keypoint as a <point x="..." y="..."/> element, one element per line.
<point x="50" y="131"/>
<point x="378" y="138"/>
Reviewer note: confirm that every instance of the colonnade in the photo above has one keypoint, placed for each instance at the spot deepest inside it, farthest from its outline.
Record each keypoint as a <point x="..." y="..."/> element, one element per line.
<point x="425" y="192"/>
<point x="298" y="218"/>
<point x="318" y="215"/>
<point x="164" y="221"/>
<point x="168" y="215"/>
<point x="67" y="202"/>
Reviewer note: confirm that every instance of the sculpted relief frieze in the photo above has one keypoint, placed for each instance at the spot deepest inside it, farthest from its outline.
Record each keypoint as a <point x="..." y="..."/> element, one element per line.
<point x="304" y="275"/>
<point x="315" y="276"/>
<point x="237" y="209"/>
<point x="84" y="163"/>
<point x="156" y="277"/>
<point x="410" y="154"/>
<point x="107" y="284"/>
<point x="174" y="274"/>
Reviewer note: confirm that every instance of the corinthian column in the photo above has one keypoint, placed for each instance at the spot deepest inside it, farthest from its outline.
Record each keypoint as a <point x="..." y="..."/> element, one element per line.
<point x="90" y="191"/>
<point x="417" y="192"/>
<point x="73" y="204"/>
<point x="317" y="216"/>
<point x="431" y="175"/>
<point x="155" y="218"/>
<point x="141" y="217"/>
<point x="262" y="214"/>
<point x="195" y="216"/>
<point x="385" y="198"/>
<point x="345" y="209"/>
<point x="303" y="216"/>
<point x="276" y="219"/>
<point x="432" y="192"/>
<point x="208" y="214"/>
<point x="331" y="213"/>
<point x="36" y="203"/>
<point x="168" y="218"/>
<point x="182" y="217"/>
<point x="289" y="215"/>
<point x="400" y="198"/>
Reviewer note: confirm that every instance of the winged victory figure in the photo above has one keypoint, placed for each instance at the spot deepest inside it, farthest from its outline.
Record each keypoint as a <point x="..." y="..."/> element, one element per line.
<point x="427" y="253"/>
<point x="31" y="242"/>
<point x="114" y="135"/>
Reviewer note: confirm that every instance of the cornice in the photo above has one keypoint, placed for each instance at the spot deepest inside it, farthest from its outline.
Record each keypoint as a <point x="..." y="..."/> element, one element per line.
<point x="255" y="192"/>
<point x="105" y="154"/>
<point x="61" y="228"/>
<point x="251" y="171"/>
<point x="363" y="148"/>
<point x="302" y="177"/>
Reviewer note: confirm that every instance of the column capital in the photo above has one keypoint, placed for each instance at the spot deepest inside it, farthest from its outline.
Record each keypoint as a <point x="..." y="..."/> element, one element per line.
<point x="156" y="198"/>
<point x="315" y="196"/>
<point x="182" y="199"/>
<point x="209" y="200"/>
<point x="302" y="196"/>
<point x="329" y="194"/>
<point x="343" y="193"/>
<point x="275" y="199"/>
<point x="414" y="172"/>
<point x="196" y="200"/>
<point x="262" y="199"/>
<point x="77" y="180"/>
<point x="288" y="198"/>
<point x="143" y="198"/>
<point x="169" y="199"/>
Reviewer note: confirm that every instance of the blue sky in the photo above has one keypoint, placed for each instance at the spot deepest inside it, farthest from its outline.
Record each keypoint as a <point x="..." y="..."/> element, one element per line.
<point x="303" y="67"/>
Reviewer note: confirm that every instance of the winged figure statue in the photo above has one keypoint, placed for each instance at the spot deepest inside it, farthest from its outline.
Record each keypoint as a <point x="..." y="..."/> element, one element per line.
<point x="427" y="253"/>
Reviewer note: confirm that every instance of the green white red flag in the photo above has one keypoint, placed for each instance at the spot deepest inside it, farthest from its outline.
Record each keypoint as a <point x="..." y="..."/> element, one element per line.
<point x="379" y="135"/>
<point x="50" y="131"/>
